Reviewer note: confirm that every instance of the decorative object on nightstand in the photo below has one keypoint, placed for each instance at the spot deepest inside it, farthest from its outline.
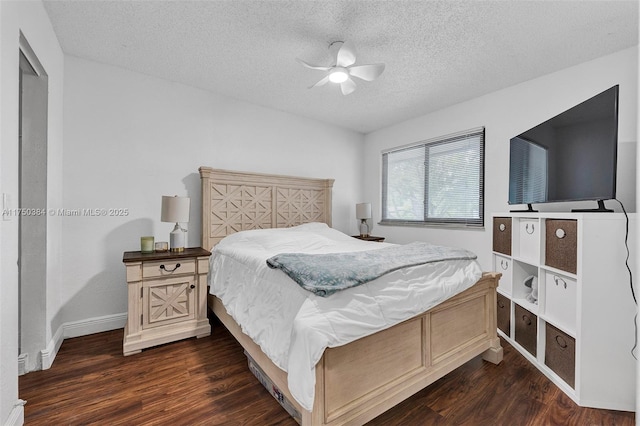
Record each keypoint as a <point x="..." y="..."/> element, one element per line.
<point x="176" y="209"/>
<point x="167" y="297"/>
<point x="363" y="213"/>
<point x="162" y="246"/>
<point x="146" y="244"/>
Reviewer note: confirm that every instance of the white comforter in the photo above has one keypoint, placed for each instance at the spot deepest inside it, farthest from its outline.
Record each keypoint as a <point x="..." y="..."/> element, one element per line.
<point x="293" y="326"/>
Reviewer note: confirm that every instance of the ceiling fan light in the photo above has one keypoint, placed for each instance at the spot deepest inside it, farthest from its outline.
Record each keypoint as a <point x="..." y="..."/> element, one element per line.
<point x="338" y="75"/>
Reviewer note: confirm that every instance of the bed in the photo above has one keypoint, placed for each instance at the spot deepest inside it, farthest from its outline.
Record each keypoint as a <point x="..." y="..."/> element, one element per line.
<point x="354" y="382"/>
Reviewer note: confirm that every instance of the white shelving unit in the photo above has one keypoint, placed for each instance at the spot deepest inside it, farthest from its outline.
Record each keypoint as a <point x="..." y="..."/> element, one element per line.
<point x="580" y="332"/>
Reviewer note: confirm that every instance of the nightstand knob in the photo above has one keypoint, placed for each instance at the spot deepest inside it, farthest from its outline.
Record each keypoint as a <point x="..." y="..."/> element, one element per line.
<point x="170" y="270"/>
<point x="192" y="286"/>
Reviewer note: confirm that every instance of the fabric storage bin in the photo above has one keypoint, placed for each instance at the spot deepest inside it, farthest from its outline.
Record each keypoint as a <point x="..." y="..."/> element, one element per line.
<point x="560" y="300"/>
<point x="529" y="240"/>
<point x="560" y="354"/>
<point x="504" y="265"/>
<point x="561" y="239"/>
<point x="526" y="329"/>
<point x="504" y="314"/>
<point x="502" y="235"/>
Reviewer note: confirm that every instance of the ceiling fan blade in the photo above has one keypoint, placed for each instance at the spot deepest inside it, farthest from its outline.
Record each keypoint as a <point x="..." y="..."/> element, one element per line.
<point x="313" y="67"/>
<point x="322" y="82"/>
<point x="367" y="72"/>
<point x="346" y="55"/>
<point x="347" y="86"/>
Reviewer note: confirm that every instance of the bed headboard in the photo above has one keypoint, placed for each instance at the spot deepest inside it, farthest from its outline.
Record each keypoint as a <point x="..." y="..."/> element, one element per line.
<point x="238" y="201"/>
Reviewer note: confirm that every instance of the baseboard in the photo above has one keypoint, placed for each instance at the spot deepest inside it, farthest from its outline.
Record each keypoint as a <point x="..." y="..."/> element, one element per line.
<point x="23" y="361"/>
<point x="94" y="325"/>
<point x="48" y="354"/>
<point x="27" y="364"/>
<point x="77" y="329"/>
<point x="16" y="417"/>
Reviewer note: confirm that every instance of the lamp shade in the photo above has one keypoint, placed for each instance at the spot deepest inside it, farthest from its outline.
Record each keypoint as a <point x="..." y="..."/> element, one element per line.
<point x="363" y="211"/>
<point x="175" y="209"/>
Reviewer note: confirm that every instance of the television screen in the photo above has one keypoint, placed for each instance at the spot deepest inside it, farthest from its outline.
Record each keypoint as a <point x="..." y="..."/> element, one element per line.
<point x="570" y="157"/>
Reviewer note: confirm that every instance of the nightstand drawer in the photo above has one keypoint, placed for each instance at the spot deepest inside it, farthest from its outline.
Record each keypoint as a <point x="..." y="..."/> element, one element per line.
<point x="167" y="268"/>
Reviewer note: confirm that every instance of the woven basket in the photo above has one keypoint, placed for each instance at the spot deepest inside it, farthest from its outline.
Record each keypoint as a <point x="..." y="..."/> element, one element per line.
<point x="560" y="354"/>
<point x="526" y="329"/>
<point x="502" y="235"/>
<point x="561" y="241"/>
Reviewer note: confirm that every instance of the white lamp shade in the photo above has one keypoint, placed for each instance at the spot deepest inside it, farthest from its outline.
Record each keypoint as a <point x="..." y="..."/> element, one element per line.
<point x="175" y="209"/>
<point x="363" y="211"/>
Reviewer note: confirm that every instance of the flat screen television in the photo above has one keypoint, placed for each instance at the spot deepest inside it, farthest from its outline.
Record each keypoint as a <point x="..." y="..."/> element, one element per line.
<point x="570" y="157"/>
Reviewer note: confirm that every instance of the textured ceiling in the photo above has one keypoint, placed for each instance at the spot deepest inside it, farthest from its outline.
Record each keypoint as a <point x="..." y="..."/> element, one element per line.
<point x="437" y="53"/>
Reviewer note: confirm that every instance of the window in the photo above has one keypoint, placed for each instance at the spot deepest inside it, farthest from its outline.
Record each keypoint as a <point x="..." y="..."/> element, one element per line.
<point x="440" y="181"/>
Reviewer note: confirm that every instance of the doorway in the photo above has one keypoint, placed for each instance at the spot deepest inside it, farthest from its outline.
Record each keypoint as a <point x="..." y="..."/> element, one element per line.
<point x="32" y="202"/>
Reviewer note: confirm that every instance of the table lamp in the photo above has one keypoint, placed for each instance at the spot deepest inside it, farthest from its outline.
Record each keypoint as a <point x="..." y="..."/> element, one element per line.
<point x="363" y="212"/>
<point x="176" y="209"/>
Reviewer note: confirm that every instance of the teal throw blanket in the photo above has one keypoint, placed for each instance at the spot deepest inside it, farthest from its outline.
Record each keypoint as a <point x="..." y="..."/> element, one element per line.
<point x="325" y="274"/>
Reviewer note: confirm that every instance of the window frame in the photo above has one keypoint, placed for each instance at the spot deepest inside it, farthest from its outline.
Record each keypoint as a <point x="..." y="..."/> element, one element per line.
<point x="439" y="222"/>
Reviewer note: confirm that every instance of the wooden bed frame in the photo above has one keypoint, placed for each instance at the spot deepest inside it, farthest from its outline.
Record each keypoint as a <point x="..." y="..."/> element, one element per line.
<point x="358" y="381"/>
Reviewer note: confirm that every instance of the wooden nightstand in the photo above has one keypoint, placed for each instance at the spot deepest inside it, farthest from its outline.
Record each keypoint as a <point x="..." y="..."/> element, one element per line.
<point x="369" y="238"/>
<point x="167" y="297"/>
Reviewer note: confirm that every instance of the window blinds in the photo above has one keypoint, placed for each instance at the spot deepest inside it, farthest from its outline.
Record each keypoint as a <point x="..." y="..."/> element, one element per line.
<point x="436" y="181"/>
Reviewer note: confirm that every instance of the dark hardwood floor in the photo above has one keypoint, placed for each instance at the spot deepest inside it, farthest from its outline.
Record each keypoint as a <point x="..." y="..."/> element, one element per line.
<point x="207" y="382"/>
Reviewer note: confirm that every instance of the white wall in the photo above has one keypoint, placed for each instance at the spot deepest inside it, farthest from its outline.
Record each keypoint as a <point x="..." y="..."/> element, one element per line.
<point x="504" y="114"/>
<point x="31" y="19"/>
<point x="131" y="138"/>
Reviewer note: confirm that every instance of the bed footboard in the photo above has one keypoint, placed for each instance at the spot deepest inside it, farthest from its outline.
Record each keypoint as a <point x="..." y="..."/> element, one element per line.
<point x="359" y="381"/>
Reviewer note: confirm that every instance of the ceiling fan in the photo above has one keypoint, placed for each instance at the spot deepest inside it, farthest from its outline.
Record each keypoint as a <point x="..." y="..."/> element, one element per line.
<point x="344" y="68"/>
